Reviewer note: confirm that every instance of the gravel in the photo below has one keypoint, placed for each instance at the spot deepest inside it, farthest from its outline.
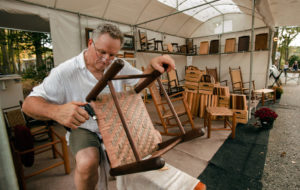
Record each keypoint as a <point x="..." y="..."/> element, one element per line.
<point x="282" y="166"/>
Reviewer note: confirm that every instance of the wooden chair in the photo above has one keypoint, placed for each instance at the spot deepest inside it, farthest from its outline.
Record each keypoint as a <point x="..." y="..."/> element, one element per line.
<point x="165" y="114"/>
<point x="145" y="42"/>
<point x="23" y="148"/>
<point x="173" y="82"/>
<point x="238" y="85"/>
<point x="131" y="142"/>
<point x="214" y="73"/>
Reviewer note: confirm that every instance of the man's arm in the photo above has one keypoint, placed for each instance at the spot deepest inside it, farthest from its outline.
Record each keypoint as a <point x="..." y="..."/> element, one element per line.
<point x="70" y="115"/>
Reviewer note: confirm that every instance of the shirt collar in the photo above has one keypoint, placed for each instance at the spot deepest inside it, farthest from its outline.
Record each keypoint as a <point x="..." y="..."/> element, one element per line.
<point x="80" y="59"/>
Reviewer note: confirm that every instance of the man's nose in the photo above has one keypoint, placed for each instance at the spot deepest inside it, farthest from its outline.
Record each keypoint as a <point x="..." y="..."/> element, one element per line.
<point x="106" y="56"/>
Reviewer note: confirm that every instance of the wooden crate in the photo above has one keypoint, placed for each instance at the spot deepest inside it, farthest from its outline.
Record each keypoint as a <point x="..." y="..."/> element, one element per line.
<point x="223" y="101"/>
<point x="193" y="98"/>
<point x="221" y="90"/>
<point x="207" y="100"/>
<point x="241" y="116"/>
<point x="238" y="104"/>
<point x="206" y="88"/>
<point x="238" y="101"/>
<point x="192" y="78"/>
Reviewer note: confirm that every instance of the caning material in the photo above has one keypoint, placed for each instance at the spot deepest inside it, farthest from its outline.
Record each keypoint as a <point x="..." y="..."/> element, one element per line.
<point x="139" y="123"/>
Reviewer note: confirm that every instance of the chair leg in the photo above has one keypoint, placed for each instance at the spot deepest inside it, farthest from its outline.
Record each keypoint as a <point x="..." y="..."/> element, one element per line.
<point x="65" y="156"/>
<point x="209" y="125"/>
<point x="52" y="139"/>
<point x="233" y="125"/>
<point x="189" y="114"/>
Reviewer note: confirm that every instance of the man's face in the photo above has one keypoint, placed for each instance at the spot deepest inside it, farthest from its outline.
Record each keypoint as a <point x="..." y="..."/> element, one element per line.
<point x="104" y="50"/>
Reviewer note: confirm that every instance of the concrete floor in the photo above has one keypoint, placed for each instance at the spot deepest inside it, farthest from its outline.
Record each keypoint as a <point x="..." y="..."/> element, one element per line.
<point x="282" y="166"/>
<point x="192" y="157"/>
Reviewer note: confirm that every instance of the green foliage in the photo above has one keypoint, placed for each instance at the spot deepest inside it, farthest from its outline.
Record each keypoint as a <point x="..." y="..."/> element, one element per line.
<point x="292" y="59"/>
<point x="14" y="42"/>
<point x="279" y="90"/>
<point x="37" y="74"/>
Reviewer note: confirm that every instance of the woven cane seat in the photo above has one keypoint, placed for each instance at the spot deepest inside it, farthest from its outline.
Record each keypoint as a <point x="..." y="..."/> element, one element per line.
<point x="145" y="137"/>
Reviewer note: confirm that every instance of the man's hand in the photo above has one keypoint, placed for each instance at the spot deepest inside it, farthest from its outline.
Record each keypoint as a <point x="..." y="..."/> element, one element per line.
<point x="157" y="63"/>
<point x="71" y="114"/>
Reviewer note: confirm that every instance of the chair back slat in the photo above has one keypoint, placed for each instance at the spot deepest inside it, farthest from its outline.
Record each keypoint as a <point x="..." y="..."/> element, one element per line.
<point x="213" y="72"/>
<point x="14" y="118"/>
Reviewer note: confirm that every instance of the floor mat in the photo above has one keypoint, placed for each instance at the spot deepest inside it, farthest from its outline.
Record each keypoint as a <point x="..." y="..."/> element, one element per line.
<point x="239" y="163"/>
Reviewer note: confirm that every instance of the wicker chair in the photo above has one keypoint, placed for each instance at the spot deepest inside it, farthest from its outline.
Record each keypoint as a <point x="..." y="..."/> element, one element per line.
<point x="131" y="142"/>
<point x="214" y="73"/>
<point x="173" y="84"/>
<point x="238" y="85"/>
<point x="23" y="148"/>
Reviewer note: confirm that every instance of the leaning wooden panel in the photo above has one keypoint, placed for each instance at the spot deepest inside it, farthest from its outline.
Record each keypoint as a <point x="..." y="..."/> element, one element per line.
<point x="243" y="43"/>
<point x="113" y="133"/>
<point x="214" y="46"/>
<point x="261" y="41"/>
<point x="230" y="45"/>
<point x="204" y="47"/>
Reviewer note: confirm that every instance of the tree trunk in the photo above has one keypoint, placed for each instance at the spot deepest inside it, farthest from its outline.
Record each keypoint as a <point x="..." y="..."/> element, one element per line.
<point x="38" y="49"/>
<point x="12" y="65"/>
<point x="3" y="43"/>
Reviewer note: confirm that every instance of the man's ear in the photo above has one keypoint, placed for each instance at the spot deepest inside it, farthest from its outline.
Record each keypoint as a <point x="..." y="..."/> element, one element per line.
<point x="90" y="42"/>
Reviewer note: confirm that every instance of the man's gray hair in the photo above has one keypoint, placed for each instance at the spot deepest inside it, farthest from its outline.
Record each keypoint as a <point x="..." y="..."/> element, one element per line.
<point x="110" y="29"/>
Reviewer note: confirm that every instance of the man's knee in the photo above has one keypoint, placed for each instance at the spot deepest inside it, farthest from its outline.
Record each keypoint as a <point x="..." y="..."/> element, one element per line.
<point x="87" y="160"/>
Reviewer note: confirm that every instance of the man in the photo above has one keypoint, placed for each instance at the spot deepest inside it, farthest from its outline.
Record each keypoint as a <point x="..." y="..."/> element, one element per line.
<point x="63" y="92"/>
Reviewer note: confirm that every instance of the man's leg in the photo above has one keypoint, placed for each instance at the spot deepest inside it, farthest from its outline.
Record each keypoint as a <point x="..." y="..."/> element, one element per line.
<point x="85" y="145"/>
<point x="86" y="172"/>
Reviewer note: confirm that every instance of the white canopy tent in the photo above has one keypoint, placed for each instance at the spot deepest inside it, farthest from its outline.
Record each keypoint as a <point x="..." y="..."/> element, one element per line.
<point x="170" y="20"/>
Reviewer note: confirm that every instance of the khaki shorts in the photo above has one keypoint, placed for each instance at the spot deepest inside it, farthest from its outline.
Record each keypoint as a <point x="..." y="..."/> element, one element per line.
<point x="82" y="138"/>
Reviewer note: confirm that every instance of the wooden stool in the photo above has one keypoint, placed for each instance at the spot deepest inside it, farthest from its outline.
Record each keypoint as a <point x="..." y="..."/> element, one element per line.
<point x="219" y="111"/>
<point x="156" y="43"/>
<point x="263" y="92"/>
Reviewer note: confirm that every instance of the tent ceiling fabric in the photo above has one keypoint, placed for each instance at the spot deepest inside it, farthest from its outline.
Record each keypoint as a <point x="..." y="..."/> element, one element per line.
<point x="133" y="12"/>
<point x="279" y="12"/>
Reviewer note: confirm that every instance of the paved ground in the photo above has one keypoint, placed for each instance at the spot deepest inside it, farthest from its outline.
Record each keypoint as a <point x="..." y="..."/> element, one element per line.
<point x="282" y="166"/>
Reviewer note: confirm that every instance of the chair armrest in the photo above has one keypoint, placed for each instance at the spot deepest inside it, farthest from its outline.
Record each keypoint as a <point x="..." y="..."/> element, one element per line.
<point x="152" y="39"/>
<point x="236" y="82"/>
<point x="225" y="82"/>
<point x="176" y="94"/>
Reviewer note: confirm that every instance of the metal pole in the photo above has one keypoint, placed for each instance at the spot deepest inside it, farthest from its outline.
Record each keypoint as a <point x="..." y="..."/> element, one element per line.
<point x="251" y="59"/>
<point x="220" y="54"/>
<point x="177" y="12"/>
<point x="80" y="40"/>
<point x="271" y="33"/>
<point x="7" y="175"/>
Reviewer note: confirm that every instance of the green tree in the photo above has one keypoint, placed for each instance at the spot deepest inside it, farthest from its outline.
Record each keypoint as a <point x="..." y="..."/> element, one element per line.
<point x="286" y="36"/>
<point x="12" y="42"/>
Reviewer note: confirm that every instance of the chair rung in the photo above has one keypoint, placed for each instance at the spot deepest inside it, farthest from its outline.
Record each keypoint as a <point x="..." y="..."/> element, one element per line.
<point x="141" y="166"/>
<point x="44" y="169"/>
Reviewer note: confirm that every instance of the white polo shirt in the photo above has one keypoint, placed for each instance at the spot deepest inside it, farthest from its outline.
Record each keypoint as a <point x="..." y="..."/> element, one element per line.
<point x="72" y="81"/>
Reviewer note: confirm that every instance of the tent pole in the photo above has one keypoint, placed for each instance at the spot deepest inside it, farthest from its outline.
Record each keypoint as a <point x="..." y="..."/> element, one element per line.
<point x="80" y="40"/>
<point x="220" y="54"/>
<point x="271" y="34"/>
<point x="251" y="59"/>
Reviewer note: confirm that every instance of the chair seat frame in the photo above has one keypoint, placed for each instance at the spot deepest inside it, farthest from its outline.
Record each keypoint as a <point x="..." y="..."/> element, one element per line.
<point x="155" y="161"/>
